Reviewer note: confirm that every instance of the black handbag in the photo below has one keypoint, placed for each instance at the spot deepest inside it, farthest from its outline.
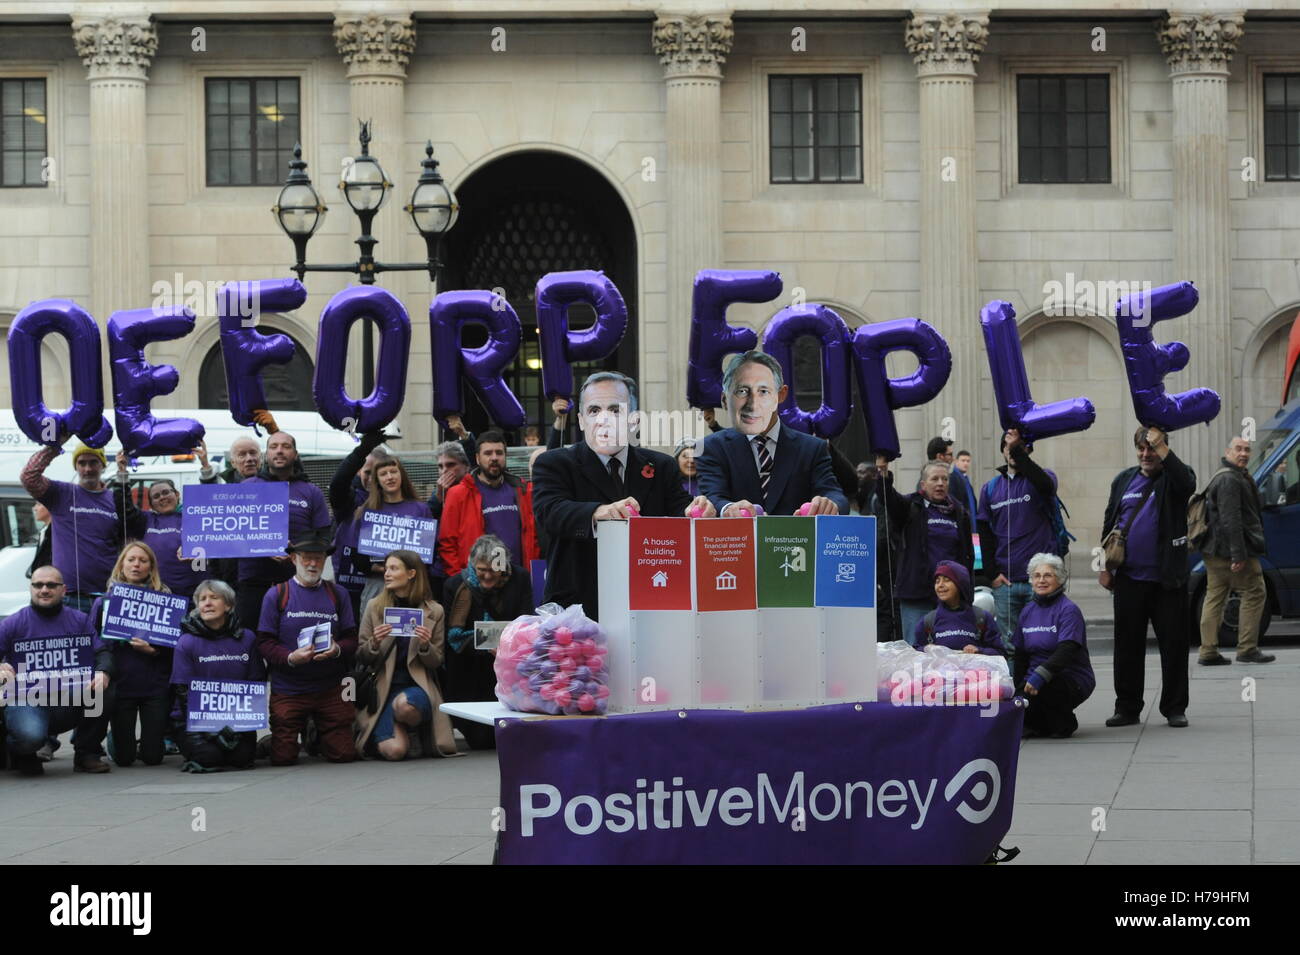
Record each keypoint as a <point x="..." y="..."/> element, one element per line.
<point x="365" y="677"/>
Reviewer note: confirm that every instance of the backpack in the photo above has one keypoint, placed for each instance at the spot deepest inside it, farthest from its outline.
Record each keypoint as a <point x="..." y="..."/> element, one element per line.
<point x="1198" y="513"/>
<point x="1056" y="513"/>
<point x="282" y="590"/>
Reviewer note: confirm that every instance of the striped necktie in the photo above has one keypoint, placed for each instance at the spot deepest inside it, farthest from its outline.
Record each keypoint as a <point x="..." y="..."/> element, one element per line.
<point x="764" y="463"/>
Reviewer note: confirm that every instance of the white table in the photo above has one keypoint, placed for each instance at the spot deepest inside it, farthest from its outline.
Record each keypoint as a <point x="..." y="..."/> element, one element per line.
<point x="488" y="713"/>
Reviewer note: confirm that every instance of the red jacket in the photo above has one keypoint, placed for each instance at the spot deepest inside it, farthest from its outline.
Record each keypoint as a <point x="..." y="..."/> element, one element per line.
<point x="462" y="522"/>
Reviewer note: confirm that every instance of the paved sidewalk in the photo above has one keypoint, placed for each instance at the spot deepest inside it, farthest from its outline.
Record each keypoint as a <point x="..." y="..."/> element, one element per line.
<point x="1224" y="790"/>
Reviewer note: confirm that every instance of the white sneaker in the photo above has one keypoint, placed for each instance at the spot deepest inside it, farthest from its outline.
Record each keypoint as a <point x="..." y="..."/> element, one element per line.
<point x="45" y="753"/>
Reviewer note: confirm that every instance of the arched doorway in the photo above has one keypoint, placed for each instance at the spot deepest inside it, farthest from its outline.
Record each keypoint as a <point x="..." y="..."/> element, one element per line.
<point x="287" y="387"/>
<point x="521" y="217"/>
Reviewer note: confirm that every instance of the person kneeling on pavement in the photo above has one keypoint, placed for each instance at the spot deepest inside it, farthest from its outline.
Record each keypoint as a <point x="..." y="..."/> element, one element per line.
<point x="956" y="623"/>
<point x="307" y="683"/>
<point x="29" y="726"/>
<point x="407" y="719"/>
<point x="214" y="646"/>
<point x="1052" y="667"/>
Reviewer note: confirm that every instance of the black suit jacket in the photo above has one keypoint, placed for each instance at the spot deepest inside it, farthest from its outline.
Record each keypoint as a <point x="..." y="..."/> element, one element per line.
<point x="801" y="470"/>
<point x="568" y="485"/>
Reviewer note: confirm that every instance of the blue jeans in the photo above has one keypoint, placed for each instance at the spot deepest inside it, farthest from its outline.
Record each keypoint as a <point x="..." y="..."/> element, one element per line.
<point x="30" y="726"/>
<point x="416" y="697"/>
<point x="913" y="612"/>
<point x="1008" y="601"/>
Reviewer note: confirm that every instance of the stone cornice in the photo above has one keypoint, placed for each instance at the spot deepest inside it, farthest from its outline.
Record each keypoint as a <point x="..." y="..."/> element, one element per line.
<point x="115" y="47"/>
<point x="692" y="45"/>
<point x="946" y="42"/>
<point x="375" y="43"/>
<point x="1199" y="42"/>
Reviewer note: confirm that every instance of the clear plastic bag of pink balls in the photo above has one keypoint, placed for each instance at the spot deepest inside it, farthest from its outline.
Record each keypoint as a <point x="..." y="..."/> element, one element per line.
<point x="554" y="662"/>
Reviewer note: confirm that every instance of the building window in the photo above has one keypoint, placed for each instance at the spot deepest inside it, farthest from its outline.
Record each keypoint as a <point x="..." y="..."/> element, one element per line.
<point x="22" y="132"/>
<point x="1281" y="126"/>
<point x="252" y="125"/>
<point x="1063" y="128"/>
<point x="815" y="128"/>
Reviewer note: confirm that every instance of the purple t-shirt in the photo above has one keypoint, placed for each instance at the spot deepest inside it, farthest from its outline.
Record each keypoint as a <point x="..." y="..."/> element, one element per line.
<point x="307" y="607"/>
<point x="940" y="535"/>
<point x="223" y="658"/>
<point x="162" y="532"/>
<point x="137" y="675"/>
<point x="958" y="628"/>
<point x="501" y="517"/>
<point x="27" y="623"/>
<point x="345" y="540"/>
<point x="1043" y="625"/>
<point x="1019" y="518"/>
<point x="307" y="511"/>
<point x="1141" y="547"/>
<point x="85" y="535"/>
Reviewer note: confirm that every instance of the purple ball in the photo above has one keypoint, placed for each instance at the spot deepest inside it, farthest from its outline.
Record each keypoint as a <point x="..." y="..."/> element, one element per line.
<point x="582" y="673"/>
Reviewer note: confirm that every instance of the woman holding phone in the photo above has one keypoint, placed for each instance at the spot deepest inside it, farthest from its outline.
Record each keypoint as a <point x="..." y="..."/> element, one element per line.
<point x="408" y="720"/>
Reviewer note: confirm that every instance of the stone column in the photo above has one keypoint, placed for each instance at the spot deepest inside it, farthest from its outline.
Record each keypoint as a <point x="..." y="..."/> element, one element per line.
<point x="1199" y="47"/>
<point x="946" y="47"/>
<point x="376" y="48"/>
<point x="117" y="52"/>
<point x="692" y="50"/>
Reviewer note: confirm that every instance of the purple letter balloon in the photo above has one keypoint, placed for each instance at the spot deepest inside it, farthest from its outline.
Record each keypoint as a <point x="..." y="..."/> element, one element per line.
<point x="712" y="339"/>
<point x="881" y="395"/>
<point x="357" y="303"/>
<point x="1016" y="408"/>
<point x="85" y="415"/>
<point x="245" y="351"/>
<point x="556" y="291"/>
<point x="136" y="382"/>
<point x="1147" y="363"/>
<point x="829" y="329"/>
<point x="482" y="366"/>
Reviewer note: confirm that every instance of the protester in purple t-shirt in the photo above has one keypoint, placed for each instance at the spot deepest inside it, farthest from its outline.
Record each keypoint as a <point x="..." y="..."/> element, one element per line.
<point x="159" y="527"/>
<point x="1015" y="523"/>
<point x="1148" y="509"/>
<point x="214" y="646"/>
<point x="84" y="528"/>
<point x="1051" y="652"/>
<point x="306" y="682"/>
<point x="956" y="623"/>
<point x="30" y="726"/>
<point x="934" y="527"/>
<point x="141" y="671"/>
<point x="308" y="514"/>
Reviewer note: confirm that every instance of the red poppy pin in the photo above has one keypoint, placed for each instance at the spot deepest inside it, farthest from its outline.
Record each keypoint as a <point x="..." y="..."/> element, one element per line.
<point x="648" y="471"/>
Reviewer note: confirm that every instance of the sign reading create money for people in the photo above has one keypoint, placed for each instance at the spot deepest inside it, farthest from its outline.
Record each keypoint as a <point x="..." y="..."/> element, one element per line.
<point x="235" y="520"/>
<point x="786" y="546"/>
<point x="382" y="533"/>
<point x="724" y="564"/>
<point x="659" y="564"/>
<point x="846" y="561"/>
<point x="212" y="705"/>
<point x="55" y="662"/>
<point x="150" y="615"/>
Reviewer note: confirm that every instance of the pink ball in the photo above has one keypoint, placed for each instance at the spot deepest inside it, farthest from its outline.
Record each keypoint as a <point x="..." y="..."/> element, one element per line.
<point x="563" y="636"/>
<point x="697" y="511"/>
<point x="602" y="692"/>
<point x="556" y="653"/>
<point x="563" y="698"/>
<point x="586" y="703"/>
<point x="547" y="692"/>
<point x="803" y="510"/>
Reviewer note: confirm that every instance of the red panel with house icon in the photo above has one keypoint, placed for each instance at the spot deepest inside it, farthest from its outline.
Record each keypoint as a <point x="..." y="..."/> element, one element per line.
<point x="659" y="563"/>
<point x="725" y="576"/>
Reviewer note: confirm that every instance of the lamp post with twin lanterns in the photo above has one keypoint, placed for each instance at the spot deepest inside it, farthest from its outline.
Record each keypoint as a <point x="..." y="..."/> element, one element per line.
<point x="300" y="212"/>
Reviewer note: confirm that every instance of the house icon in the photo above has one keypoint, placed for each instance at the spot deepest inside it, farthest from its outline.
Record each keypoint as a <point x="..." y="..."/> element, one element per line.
<point x="725" y="581"/>
<point x="660" y="579"/>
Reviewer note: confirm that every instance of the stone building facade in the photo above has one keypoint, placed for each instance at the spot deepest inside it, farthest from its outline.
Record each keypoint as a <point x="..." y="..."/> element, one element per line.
<point x="640" y="138"/>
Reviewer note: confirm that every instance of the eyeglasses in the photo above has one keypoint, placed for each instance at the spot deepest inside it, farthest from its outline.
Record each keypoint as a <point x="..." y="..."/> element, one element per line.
<point x="45" y="585"/>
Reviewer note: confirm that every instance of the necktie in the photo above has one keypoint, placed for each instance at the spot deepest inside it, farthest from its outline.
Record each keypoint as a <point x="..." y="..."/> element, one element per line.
<point x="764" y="464"/>
<point x="616" y="473"/>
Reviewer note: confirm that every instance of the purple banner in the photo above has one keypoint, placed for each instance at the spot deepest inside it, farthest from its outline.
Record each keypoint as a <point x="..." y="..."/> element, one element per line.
<point x="382" y="533"/>
<point x="215" y="704"/>
<point x="849" y="784"/>
<point x="151" y="615"/>
<point x="53" y="663"/>
<point x="235" y="520"/>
